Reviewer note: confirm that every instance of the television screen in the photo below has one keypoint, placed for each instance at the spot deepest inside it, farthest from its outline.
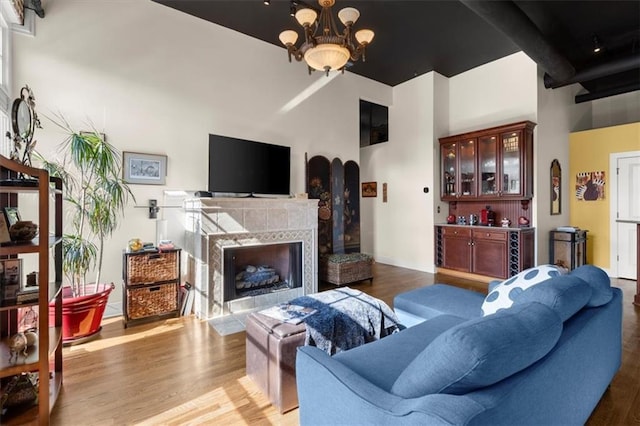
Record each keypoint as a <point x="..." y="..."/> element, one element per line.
<point x="246" y="167"/>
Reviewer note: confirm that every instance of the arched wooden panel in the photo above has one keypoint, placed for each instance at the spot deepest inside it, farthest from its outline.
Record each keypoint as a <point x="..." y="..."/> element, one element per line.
<point x="319" y="187"/>
<point x="337" y="199"/>
<point x="351" y="207"/>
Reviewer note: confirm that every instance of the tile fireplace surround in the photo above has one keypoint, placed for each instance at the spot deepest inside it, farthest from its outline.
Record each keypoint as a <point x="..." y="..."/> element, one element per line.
<point x="214" y="224"/>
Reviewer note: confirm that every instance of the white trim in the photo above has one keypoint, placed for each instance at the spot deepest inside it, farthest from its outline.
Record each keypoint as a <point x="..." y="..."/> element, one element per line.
<point x="5" y="63"/>
<point x="613" y="204"/>
<point x="29" y="26"/>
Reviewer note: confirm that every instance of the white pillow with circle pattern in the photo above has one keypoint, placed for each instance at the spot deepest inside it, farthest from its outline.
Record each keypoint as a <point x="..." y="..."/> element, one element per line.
<point x="504" y="294"/>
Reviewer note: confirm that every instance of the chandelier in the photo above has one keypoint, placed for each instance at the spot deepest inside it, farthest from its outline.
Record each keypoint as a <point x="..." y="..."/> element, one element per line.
<point x="324" y="48"/>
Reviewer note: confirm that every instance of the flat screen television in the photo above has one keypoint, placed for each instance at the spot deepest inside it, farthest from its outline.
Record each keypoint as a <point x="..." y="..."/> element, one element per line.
<point x="244" y="167"/>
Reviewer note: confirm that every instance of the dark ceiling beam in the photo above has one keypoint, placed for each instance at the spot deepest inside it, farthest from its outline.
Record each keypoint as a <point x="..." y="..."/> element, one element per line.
<point x="602" y="70"/>
<point x="599" y="94"/>
<point x="509" y="19"/>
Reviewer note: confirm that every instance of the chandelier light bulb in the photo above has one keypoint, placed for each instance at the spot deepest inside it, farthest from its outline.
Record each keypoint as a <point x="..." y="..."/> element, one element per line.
<point x="327" y="57"/>
<point x="306" y="16"/>
<point x="364" y="36"/>
<point x="348" y="16"/>
<point x="288" y="37"/>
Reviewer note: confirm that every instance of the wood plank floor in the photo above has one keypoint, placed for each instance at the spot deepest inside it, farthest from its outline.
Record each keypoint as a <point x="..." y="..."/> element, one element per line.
<point x="180" y="371"/>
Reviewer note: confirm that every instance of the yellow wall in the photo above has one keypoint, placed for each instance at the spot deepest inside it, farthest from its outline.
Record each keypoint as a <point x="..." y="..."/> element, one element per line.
<point x="588" y="152"/>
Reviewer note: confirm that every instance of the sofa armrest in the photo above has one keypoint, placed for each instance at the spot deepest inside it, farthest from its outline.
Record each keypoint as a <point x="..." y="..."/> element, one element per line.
<point x="331" y="393"/>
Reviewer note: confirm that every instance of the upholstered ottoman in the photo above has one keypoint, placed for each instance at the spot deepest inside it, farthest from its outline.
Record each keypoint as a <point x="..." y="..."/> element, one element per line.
<point x="346" y="268"/>
<point x="271" y="358"/>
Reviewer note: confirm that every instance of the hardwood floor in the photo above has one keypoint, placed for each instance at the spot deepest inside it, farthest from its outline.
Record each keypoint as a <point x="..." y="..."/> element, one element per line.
<point x="180" y="371"/>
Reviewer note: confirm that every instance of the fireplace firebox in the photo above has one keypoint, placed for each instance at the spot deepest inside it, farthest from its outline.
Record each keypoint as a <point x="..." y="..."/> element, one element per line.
<point x="262" y="269"/>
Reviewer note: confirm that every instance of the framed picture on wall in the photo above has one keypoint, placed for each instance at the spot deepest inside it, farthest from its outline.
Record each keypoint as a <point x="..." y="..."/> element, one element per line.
<point x="144" y="169"/>
<point x="369" y="189"/>
<point x="556" y="180"/>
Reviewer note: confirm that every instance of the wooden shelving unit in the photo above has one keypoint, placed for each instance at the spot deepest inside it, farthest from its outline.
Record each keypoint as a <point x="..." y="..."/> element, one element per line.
<point x="44" y="358"/>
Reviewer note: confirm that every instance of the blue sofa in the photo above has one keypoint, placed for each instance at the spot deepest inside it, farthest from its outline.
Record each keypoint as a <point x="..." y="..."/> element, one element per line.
<point x="544" y="358"/>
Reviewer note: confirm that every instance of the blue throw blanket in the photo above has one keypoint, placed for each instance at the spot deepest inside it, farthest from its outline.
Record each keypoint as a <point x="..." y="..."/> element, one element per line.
<point x="346" y="318"/>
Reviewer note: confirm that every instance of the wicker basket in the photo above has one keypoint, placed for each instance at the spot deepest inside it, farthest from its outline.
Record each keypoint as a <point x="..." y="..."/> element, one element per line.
<point x="153" y="300"/>
<point x="152" y="267"/>
<point x="346" y="268"/>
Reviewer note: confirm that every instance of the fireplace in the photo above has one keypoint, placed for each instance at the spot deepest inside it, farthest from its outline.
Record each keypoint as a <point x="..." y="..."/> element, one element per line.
<point x="225" y="235"/>
<point x="263" y="269"/>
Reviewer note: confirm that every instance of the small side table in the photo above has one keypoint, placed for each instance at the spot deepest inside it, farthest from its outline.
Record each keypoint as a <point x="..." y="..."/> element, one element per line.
<point x="568" y="249"/>
<point x="151" y="285"/>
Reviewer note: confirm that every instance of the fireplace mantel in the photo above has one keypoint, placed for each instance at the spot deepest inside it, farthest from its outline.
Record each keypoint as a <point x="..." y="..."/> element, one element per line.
<point x="213" y="224"/>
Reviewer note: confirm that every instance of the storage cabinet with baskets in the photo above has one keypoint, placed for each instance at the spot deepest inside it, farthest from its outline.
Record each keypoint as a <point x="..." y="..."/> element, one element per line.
<point x="151" y="285"/>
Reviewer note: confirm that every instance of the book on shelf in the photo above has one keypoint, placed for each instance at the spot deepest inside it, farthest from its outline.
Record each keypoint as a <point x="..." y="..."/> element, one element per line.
<point x="285" y="312"/>
<point x="188" y="298"/>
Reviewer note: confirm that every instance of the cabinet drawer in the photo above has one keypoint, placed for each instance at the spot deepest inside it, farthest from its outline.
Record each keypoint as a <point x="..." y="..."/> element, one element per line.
<point x="490" y="235"/>
<point x="151" y="300"/>
<point x="151" y="267"/>
<point x="456" y="231"/>
<point x="568" y="236"/>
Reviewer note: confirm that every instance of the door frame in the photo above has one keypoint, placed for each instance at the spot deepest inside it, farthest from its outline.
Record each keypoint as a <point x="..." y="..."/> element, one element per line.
<point x="613" y="204"/>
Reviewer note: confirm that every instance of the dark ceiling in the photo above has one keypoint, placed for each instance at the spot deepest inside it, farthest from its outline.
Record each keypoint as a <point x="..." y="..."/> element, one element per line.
<point x="450" y="37"/>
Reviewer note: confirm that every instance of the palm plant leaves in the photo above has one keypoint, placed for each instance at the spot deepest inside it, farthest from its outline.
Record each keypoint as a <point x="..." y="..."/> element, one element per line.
<point x="91" y="174"/>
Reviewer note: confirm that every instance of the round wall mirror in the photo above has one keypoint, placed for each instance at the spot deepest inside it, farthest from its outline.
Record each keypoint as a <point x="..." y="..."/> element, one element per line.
<point x="21" y="118"/>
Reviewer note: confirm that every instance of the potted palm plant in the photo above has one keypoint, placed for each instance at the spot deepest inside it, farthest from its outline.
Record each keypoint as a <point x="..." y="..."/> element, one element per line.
<point x="95" y="195"/>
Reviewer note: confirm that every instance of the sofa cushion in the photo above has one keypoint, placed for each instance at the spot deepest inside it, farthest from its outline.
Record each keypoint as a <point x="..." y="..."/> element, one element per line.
<point x="481" y="352"/>
<point x="431" y="301"/>
<point x="599" y="282"/>
<point x="503" y="295"/>
<point x="565" y="294"/>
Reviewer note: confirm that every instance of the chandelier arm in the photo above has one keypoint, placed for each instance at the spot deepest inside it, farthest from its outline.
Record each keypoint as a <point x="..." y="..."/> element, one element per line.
<point x="348" y="39"/>
<point x="359" y="52"/>
<point x="309" y="37"/>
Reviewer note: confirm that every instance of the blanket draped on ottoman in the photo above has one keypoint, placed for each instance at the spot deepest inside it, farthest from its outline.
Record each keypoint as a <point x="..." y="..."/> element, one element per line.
<point x="346" y="318"/>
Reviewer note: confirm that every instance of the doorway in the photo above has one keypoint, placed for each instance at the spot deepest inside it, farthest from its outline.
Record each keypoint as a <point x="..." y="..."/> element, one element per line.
<point x="625" y="213"/>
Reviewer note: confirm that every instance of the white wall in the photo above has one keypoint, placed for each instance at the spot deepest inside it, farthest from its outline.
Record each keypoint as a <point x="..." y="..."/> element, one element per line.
<point x="500" y="92"/>
<point x="159" y="81"/>
<point x="397" y="232"/>
<point x="558" y="115"/>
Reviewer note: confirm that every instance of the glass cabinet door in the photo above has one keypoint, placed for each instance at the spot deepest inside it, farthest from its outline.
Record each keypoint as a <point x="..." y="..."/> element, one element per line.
<point x="511" y="167"/>
<point x="449" y="169"/>
<point x="488" y="164"/>
<point x="467" y="168"/>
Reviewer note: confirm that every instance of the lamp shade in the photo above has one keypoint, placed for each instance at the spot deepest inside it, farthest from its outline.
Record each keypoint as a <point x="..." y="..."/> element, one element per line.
<point x="348" y="15"/>
<point x="325" y="56"/>
<point x="306" y="16"/>
<point x="364" y="36"/>
<point x="288" y="37"/>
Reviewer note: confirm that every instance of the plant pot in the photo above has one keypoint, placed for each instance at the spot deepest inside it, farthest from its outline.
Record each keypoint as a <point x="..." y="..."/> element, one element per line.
<point x="82" y="315"/>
